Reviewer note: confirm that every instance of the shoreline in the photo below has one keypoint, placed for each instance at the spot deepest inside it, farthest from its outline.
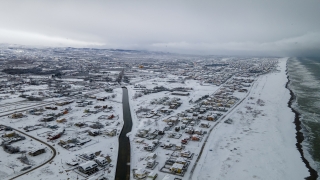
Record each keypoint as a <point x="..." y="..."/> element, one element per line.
<point x="299" y="134"/>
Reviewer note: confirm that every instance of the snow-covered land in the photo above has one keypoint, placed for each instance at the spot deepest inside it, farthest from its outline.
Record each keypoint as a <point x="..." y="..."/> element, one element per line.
<point x="147" y="121"/>
<point x="260" y="144"/>
<point x="195" y="118"/>
<point x="103" y="145"/>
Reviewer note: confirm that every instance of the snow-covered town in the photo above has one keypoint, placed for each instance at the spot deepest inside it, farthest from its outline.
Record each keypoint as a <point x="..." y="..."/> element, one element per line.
<point x="68" y="113"/>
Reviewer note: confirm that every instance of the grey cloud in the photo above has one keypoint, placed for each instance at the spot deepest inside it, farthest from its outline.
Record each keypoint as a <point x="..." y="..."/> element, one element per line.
<point x="200" y="27"/>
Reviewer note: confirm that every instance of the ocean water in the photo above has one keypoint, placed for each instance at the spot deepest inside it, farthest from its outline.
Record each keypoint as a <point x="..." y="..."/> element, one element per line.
<point x="304" y="75"/>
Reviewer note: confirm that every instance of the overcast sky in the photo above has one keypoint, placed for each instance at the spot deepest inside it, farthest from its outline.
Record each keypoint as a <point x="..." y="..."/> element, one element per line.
<point x="218" y="27"/>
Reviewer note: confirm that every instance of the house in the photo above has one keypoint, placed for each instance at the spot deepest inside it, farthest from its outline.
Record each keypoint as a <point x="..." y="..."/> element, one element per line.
<point x="111" y="116"/>
<point x="81" y="140"/>
<point x="181" y="160"/>
<point x="94" y="132"/>
<point x="151" y="163"/>
<point x="142" y="133"/>
<point x="61" y="120"/>
<point x="176" y="168"/>
<point x="47" y="119"/>
<point x="210" y="118"/>
<point x="60" y="103"/>
<point x="57" y="134"/>
<point x="52" y="126"/>
<point x="88" y="167"/>
<point x="184" y="141"/>
<point x="71" y="163"/>
<point x="38" y="151"/>
<point x="94" y="111"/>
<point x="10" y="134"/>
<point x="149" y="147"/>
<point x="167" y="145"/>
<point x="168" y="177"/>
<point x="51" y="107"/>
<point x="198" y="131"/>
<point x="101" y="161"/>
<point x="185" y="153"/>
<point x="89" y="155"/>
<point x="180" y="93"/>
<point x="16" y="115"/>
<point x="179" y="146"/>
<point x="37" y="113"/>
<point x="101" y="98"/>
<point x="205" y="125"/>
<point x="152" y="176"/>
<point x="112" y="132"/>
<point x="139" y="140"/>
<point x="189" y="130"/>
<point x="67" y="140"/>
<point x="192" y="123"/>
<point x="202" y="110"/>
<point x="151" y="156"/>
<point x="195" y="137"/>
<point x="140" y="173"/>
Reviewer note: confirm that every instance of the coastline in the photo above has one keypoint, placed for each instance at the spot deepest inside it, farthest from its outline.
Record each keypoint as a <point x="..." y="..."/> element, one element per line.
<point x="299" y="134"/>
<point x="261" y="143"/>
<point x="256" y="146"/>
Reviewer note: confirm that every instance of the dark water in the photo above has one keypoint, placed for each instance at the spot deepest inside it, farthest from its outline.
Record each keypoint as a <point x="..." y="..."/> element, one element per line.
<point x="123" y="164"/>
<point x="304" y="75"/>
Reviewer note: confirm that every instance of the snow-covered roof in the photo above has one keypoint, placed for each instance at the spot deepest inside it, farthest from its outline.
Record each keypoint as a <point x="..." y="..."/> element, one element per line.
<point x="100" y="159"/>
<point x="140" y="171"/>
<point x="87" y="164"/>
<point x="177" y="166"/>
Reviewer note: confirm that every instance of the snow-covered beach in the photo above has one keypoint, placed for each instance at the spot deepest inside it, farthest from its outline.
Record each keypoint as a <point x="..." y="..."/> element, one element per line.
<point x="261" y="142"/>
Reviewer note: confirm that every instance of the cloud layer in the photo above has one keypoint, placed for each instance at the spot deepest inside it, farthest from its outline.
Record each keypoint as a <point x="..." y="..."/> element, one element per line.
<point x="286" y="28"/>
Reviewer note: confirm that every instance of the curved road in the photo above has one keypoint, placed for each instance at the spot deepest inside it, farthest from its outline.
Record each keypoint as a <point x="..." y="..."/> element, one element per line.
<point x="53" y="156"/>
<point x="54" y="151"/>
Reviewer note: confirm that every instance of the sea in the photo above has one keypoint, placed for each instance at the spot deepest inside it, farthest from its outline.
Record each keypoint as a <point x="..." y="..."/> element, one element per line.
<point x="304" y="76"/>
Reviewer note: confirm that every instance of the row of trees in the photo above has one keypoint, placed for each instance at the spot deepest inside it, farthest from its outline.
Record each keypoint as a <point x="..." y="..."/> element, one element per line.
<point x="37" y="71"/>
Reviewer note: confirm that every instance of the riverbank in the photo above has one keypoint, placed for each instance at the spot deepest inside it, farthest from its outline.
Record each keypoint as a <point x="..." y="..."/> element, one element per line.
<point x="299" y="134"/>
<point x="261" y="142"/>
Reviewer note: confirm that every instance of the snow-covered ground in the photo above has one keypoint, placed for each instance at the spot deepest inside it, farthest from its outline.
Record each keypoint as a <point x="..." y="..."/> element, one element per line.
<point x="138" y="157"/>
<point x="58" y="168"/>
<point x="260" y="144"/>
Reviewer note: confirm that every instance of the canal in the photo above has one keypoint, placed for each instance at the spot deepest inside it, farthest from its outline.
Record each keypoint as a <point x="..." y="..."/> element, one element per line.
<point x="123" y="164"/>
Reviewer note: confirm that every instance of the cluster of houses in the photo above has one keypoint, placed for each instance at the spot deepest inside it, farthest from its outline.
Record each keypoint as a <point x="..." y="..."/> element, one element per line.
<point x="17" y="115"/>
<point x="93" y="163"/>
<point x="68" y="142"/>
<point x="11" y="136"/>
<point x="189" y="125"/>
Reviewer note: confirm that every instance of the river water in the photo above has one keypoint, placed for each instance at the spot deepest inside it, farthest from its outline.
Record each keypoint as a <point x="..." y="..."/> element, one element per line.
<point x="123" y="164"/>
